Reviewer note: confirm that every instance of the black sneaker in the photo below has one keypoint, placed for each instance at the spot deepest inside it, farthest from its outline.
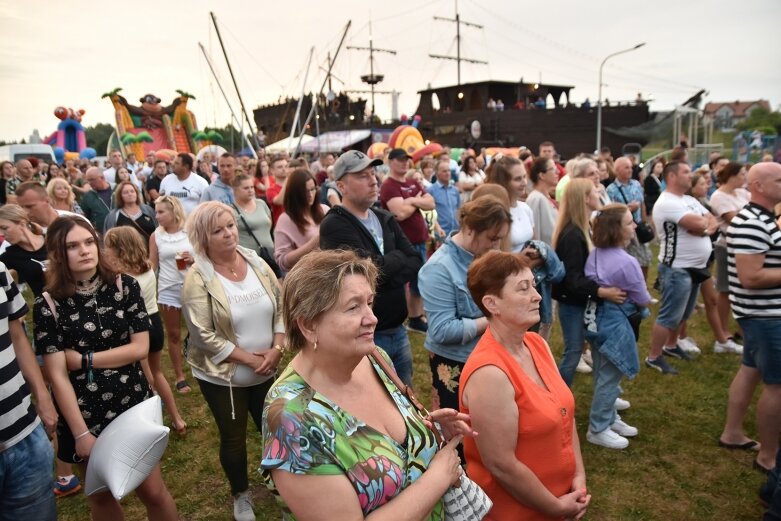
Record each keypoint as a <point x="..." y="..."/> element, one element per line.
<point x="676" y="352"/>
<point x="417" y="324"/>
<point x="661" y="365"/>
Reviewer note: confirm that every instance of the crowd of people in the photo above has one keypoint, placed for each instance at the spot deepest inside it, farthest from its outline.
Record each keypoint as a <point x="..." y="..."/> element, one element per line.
<point x="334" y="263"/>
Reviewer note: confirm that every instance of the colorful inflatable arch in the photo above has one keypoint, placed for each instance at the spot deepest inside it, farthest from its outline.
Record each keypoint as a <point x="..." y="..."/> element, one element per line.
<point x="69" y="141"/>
<point x="410" y="139"/>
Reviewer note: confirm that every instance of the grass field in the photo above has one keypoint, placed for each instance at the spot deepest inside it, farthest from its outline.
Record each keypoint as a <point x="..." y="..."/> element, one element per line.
<point x="672" y="471"/>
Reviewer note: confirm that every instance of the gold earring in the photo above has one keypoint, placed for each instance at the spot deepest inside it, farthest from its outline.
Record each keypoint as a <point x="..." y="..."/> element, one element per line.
<point x="315" y="346"/>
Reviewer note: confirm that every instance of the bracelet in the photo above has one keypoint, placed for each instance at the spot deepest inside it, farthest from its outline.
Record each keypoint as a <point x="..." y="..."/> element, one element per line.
<point x="80" y="436"/>
<point x="279" y="348"/>
<point x="84" y="361"/>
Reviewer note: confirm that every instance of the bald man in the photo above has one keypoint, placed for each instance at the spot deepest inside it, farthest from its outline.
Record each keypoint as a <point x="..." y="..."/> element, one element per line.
<point x="628" y="191"/>
<point x="96" y="203"/>
<point x="24" y="172"/>
<point x="754" y="268"/>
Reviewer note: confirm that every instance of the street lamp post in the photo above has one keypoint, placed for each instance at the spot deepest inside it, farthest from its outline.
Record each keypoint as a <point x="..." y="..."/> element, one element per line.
<point x="599" y="102"/>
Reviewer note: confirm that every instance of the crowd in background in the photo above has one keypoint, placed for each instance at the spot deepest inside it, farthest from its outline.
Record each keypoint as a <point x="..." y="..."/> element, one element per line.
<point x="331" y="256"/>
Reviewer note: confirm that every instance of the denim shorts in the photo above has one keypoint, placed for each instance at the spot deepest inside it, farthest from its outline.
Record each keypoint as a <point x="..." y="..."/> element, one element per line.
<point x="395" y="342"/>
<point x="26" y="479"/>
<point x="762" y="347"/>
<point x="413" y="284"/>
<point x="679" y="296"/>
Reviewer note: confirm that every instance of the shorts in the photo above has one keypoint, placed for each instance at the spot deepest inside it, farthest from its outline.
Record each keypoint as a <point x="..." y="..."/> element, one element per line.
<point x="171" y="296"/>
<point x="679" y="296"/>
<point x="156" y="333"/>
<point x="413" y="284"/>
<point x="762" y="347"/>
<point x="722" y="279"/>
<point x="641" y="252"/>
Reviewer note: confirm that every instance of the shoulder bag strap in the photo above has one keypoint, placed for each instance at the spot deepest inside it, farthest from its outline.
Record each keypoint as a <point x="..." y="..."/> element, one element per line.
<point x="405" y="390"/>
<point x="48" y="298"/>
<point x="246" y="225"/>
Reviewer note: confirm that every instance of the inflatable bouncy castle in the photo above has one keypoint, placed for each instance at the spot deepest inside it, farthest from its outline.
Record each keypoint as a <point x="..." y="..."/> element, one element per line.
<point x="151" y="127"/>
<point x="408" y="137"/>
<point x="69" y="141"/>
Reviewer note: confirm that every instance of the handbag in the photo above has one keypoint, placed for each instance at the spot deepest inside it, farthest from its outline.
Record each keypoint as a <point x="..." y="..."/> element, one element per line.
<point x="263" y="252"/>
<point x="643" y="231"/>
<point x="467" y="501"/>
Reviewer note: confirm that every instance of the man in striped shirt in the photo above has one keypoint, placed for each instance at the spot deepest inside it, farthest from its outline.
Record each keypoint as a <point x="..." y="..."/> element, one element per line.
<point x="26" y="454"/>
<point x="754" y="268"/>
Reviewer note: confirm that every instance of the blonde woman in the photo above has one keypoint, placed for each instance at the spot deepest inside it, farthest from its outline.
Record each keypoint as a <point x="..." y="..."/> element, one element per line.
<point x="170" y="253"/>
<point x="62" y="197"/>
<point x="127" y="252"/>
<point x="572" y="242"/>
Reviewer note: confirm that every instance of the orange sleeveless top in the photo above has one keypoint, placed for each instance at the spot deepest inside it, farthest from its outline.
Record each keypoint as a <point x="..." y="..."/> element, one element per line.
<point x="545" y="419"/>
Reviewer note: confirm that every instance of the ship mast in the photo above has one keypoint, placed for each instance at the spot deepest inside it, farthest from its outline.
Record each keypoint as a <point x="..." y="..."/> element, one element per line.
<point x="458" y="58"/>
<point x="371" y="78"/>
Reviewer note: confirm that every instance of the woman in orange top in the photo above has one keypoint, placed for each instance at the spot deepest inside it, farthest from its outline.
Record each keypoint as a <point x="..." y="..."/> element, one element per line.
<point x="527" y="457"/>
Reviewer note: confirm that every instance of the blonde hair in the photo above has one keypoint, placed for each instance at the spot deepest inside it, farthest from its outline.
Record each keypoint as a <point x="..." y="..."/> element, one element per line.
<point x="17" y="215"/>
<point x="52" y="186"/>
<point x="176" y="208"/>
<point x="573" y="209"/>
<point x="201" y="222"/>
<point x="130" y="253"/>
<point x="312" y="287"/>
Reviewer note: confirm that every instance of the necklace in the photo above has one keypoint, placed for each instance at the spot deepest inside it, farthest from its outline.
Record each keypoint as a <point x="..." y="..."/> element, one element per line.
<point x="88" y="286"/>
<point x="230" y="267"/>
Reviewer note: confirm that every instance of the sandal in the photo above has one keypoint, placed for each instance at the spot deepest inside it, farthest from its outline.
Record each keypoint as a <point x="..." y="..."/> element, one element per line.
<point x="764" y="470"/>
<point x="749" y="445"/>
<point x="182" y="387"/>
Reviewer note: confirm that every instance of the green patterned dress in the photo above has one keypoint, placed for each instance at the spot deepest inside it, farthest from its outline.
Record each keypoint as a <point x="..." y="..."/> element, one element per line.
<point x="306" y="433"/>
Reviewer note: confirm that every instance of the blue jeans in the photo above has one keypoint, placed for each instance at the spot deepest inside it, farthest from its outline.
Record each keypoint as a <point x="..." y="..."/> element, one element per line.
<point x="762" y="347"/>
<point x="607" y="379"/>
<point x="26" y="487"/>
<point x="574" y="332"/>
<point x="679" y="296"/>
<point x="413" y="284"/>
<point x="395" y="342"/>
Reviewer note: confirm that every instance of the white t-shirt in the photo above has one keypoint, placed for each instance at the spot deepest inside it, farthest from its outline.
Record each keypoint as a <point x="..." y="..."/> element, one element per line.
<point x="678" y="247"/>
<point x="252" y="316"/>
<point x="188" y="191"/>
<point x="522" y="228"/>
<point x="722" y="203"/>
<point x="110" y="175"/>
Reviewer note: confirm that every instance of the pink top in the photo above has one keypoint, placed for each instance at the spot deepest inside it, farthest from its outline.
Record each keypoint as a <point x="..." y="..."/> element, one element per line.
<point x="287" y="238"/>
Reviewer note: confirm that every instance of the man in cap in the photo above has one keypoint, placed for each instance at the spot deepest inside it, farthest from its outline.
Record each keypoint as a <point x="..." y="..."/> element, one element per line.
<point x="404" y="199"/>
<point x="374" y="233"/>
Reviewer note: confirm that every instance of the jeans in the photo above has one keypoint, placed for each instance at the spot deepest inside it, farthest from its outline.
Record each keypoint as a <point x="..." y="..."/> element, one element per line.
<point x="679" y="295"/>
<point x="413" y="284"/>
<point x="574" y="333"/>
<point x="770" y="492"/>
<point x="26" y="489"/>
<point x="607" y="378"/>
<point x="233" y="432"/>
<point x="762" y="347"/>
<point x="395" y="342"/>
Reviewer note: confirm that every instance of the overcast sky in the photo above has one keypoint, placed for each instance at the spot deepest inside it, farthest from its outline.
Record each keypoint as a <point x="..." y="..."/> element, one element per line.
<point x="68" y="53"/>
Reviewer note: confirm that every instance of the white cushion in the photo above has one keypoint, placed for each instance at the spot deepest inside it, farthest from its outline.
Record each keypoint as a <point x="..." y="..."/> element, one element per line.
<point x="127" y="450"/>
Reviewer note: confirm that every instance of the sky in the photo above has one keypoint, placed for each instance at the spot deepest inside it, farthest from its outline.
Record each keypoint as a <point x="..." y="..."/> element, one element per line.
<point x="69" y="53"/>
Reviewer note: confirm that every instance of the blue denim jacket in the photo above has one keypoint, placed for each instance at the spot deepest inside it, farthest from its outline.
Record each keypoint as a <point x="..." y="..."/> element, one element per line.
<point x="613" y="335"/>
<point x="549" y="272"/>
<point x="452" y="332"/>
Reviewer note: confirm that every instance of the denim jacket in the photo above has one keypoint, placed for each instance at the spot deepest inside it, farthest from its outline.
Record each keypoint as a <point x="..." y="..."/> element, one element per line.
<point x="549" y="272"/>
<point x="452" y="332"/>
<point x="612" y="334"/>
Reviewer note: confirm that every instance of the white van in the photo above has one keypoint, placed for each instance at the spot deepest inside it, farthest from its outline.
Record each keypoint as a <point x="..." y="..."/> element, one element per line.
<point x="14" y="153"/>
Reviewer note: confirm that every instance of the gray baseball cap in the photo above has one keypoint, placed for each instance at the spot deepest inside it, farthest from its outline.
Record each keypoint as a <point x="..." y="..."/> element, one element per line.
<point x="353" y="161"/>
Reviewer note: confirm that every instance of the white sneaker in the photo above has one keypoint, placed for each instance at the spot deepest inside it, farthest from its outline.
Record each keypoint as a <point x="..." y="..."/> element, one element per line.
<point x="654" y="300"/>
<point x="607" y="438"/>
<point x="623" y="429"/>
<point x="586" y="356"/>
<point x="730" y="346"/>
<point x="242" y="507"/>
<point x="621" y="404"/>
<point x="583" y="367"/>
<point x="688" y="345"/>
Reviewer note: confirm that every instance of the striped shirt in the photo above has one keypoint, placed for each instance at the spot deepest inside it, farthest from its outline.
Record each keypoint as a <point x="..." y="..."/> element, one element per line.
<point x="754" y="231"/>
<point x="17" y="413"/>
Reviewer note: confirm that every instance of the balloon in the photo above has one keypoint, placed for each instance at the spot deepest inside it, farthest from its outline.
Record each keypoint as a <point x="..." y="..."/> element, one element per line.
<point x="59" y="155"/>
<point x="88" y="153"/>
<point x="127" y="451"/>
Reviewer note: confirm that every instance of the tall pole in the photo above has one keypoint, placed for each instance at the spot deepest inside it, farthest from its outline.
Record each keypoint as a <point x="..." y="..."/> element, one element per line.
<point x="294" y="127"/>
<point x="457" y="57"/>
<point x="372" y="80"/>
<point x="599" y="102"/>
<point x="227" y="102"/>
<point x="235" y="85"/>
<point x="458" y="46"/>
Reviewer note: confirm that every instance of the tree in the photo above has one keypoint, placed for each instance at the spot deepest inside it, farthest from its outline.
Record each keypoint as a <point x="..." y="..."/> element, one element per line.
<point x="761" y="119"/>
<point x="98" y="136"/>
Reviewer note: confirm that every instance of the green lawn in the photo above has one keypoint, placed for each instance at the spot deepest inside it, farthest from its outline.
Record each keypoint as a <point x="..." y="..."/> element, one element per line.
<point x="672" y="471"/>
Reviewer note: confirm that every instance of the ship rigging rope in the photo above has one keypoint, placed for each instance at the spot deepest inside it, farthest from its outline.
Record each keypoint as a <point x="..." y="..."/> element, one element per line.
<point x="252" y="56"/>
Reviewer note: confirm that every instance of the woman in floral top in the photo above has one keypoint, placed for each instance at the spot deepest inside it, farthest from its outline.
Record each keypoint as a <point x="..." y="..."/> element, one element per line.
<point x="334" y="421"/>
<point x="92" y="329"/>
